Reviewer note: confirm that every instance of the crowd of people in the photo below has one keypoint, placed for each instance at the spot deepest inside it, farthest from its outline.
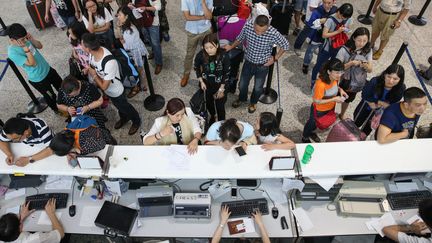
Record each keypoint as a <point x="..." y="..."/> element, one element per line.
<point x="103" y="66"/>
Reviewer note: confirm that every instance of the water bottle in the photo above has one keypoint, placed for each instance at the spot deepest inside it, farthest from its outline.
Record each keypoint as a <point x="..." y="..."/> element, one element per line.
<point x="307" y="154"/>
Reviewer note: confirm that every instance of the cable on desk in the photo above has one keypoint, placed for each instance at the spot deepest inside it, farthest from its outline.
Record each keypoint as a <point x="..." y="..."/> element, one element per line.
<point x="172" y="184"/>
<point x="73" y="188"/>
<point x="251" y="189"/>
<point x="201" y="187"/>
<point x="37" y="190"/>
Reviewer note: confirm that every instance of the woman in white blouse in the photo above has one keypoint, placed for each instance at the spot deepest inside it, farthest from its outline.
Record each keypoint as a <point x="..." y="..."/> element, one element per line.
<point x="178" y="126"/>
<point x="97" y="20"/>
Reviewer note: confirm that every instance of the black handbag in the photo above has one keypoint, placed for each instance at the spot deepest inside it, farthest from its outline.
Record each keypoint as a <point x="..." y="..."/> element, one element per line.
<point x="198" y="103"/>
<point x="225" y="7"/>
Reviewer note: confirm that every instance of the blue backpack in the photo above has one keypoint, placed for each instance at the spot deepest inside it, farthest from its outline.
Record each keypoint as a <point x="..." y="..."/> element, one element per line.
<point x="82" y="122"/>
<point x="128" y="72"/>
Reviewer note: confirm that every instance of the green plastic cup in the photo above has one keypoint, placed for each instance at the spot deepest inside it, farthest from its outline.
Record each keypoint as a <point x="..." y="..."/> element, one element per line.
<point x="307" y="156"/>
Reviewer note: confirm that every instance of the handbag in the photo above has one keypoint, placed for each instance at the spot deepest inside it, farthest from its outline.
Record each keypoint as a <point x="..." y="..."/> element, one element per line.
<point x="147" y="16"/>
<point x="244" y="10"/>
<point x="225" y="7"/>
<point x="375" y="121"/>
<point x="197" y="102"/>
<point x="325" y="121"/>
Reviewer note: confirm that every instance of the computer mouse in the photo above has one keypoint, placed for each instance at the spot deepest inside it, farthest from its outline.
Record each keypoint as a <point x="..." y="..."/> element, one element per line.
<point x="72" y="210"/>
<point x="275" y="212"/>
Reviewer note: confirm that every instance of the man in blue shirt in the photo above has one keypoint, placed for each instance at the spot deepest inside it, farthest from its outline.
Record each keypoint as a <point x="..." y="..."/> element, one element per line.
<point x="198" y="14"/>
<point x="399" y="120"/>
<point x="23" y="52"/>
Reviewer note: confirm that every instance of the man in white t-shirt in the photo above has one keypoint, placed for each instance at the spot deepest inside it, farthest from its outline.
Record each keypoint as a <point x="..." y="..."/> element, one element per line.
<point x="398" y="232"/>
<point x="11" y="227"/>
<point x="107" y="79"/>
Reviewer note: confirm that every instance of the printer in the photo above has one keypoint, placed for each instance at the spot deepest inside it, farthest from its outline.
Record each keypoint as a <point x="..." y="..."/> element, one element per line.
<point x="362" y="199"/>
<point x="192" y="205"/>
<point x="155" y="201"/>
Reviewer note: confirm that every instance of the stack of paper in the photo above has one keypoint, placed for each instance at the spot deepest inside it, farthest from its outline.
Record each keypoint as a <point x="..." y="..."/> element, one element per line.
<point x="179" y="158"/>
<point x="58" y="182"/>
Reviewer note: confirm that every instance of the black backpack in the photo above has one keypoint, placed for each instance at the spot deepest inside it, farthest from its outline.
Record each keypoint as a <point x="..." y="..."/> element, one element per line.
<point x="128" y="72"/>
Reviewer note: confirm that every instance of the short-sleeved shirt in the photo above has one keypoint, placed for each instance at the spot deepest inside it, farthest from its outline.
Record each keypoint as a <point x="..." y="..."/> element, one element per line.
<point x="331" y="26"/>
<point x="322" y="90"/>
<point x="213" y="132"/>
<point x="41" y="133"/>
<point x="99" y="21"/>
<point x="83" y="56"/>
<point x="65" y="7"/>
<point x="395" y="6"/>
<point x="343" y="55"/>
<point x="38" y="237"/>
<point x="404" y="238"/>
<point x="18" y="56"/>
<point x="111" y="72"/>
<point x="311" y="4"/>
<point x="195" y="8"/>
<point x="259" y="47"/>
<point x="88" y="94"/>
<point x="394" y="119"/>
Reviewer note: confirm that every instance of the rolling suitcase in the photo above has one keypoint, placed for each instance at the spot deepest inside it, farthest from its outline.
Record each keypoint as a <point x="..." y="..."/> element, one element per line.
<point x="36" y="9"/>
<point x="281" y="14"/>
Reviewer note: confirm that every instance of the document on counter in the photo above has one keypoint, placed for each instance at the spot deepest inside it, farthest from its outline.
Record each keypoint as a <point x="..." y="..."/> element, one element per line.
<point x="12" y="193"/>
<point x="415" y="218"/>
<point x="89" y="215"/>
<point x="179" y="158"/>
<point x="44" y="219"/>
<point x="58" y="182"/>
<point x="303" y="219"/>
<point x="274" y="189"/>
<point x="290" y="184"/>
<point x="325" y="182"/>
<point x="378" y="224"/>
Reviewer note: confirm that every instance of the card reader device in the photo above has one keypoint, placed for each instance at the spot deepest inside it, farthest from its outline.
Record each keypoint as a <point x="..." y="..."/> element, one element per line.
<point x="155" y="201"/>
<point x="192" y="205"/>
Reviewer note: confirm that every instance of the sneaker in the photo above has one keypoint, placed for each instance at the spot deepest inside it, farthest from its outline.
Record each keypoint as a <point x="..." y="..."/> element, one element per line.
<point x="315" y="138"/>
<point x="133" y="129"/>
<point x="236" y="104"/>
<point x="305" y="69"/>
<point x="306" y="140"/>
<point x="296" y="31"/>
<point x="184" y="81"/>
<point x="166" y="36"/>
<point x="252" y="108"/>
<point x="377" y="55"/>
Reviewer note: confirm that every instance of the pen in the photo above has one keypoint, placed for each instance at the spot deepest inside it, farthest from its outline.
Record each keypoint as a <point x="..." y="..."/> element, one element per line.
<point x="82" y="191"/>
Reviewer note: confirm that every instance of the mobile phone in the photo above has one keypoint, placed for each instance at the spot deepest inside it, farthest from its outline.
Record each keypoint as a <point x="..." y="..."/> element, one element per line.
<point x="240" y="151"/>
<point x="392" y="26"/>
<point x="233" y="192"/>
<point x="79" y="110"/>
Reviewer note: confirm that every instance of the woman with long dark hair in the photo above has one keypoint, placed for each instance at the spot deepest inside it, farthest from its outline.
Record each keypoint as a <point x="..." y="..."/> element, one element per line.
<point x="97" y="19"/>
<point x="178" y="125"/>
<point x="356" y="55"/>
<point x="133" y="44"/>
<point x="212" y="68"/>
<point x="326" y="93"/>
<point x="379" y="93"/>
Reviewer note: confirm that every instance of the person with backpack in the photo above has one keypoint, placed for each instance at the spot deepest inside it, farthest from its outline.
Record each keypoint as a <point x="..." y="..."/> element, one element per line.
<point x="25" y="129"/>
<point x="334" y="34"/>
<point x="389" y="15"/>
<point x="356" y="55"/>
<point x="400" y="119"/>
<point x="133" y="44"/>
<point x="316" y="23"/>
<point x="104" y="69"/>
<point x="379" y="93"/>
<point x="178" y="125"/>
<point x="23" y="51"/>
<point x="149" y="24"/>
<point x="326" y="93"/>
<point x="81" y="136"/>
<point x="97" y="19"/>
<point x="212" y="66"/>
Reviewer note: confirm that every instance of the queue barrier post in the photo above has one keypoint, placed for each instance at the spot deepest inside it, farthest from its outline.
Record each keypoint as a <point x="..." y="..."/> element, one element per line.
<point x="153" y="102"/>
<point x="270" y="95"/>
<point x="366" y="18"/>
<point x="418" y="19"/>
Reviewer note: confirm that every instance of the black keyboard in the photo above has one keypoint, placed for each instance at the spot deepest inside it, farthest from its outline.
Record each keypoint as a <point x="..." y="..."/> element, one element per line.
<point x="245" y="208"/>
<point x="39" y="201"/>
<point x="407" y="200"/>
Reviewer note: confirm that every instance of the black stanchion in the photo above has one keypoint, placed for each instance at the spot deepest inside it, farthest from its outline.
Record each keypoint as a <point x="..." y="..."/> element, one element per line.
<point x="270" y="95"/>
<point x="37" y="105"/>
<point x="366" y="18"/>
<point x="418" y="19"/>
<point x="400" y="52"/>
<point x="154" y="102"/>
<point x="3" y="28"/>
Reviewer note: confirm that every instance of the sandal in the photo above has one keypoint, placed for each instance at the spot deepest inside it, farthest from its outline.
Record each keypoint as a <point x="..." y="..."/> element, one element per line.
<point x="134" y="91"/>
<point x="377" y="55"/>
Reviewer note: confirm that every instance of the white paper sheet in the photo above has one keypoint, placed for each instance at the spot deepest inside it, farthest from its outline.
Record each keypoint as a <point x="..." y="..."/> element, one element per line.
<point x="14" y="210"/>
<point x="413" y="219"/>
<point x="325" y="182"/>
<point x="289" y="184"/>
<point x="378" y="224"/>
<point x="407" y="186"/>
<point x="248" y="223"/>
<point x="274" y="189"/>
<point x="89" y="162"/>
<point x="303" y="219"/>
<point x="179" y="158"/>
<point x="113" y="187"/>
<point x="58" y="182"/>
<point x="12" y="193"/>
<point x="44" y="219"/>
<point x="217" y="191"/>
<point x="88" y="216"/>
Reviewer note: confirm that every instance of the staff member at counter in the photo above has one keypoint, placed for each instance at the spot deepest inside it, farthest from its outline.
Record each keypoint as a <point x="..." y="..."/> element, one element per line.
<point x="28" y="130"/>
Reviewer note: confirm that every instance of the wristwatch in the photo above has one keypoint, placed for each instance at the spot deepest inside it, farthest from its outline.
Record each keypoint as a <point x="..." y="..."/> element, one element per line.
<point x="31" y="160"/>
